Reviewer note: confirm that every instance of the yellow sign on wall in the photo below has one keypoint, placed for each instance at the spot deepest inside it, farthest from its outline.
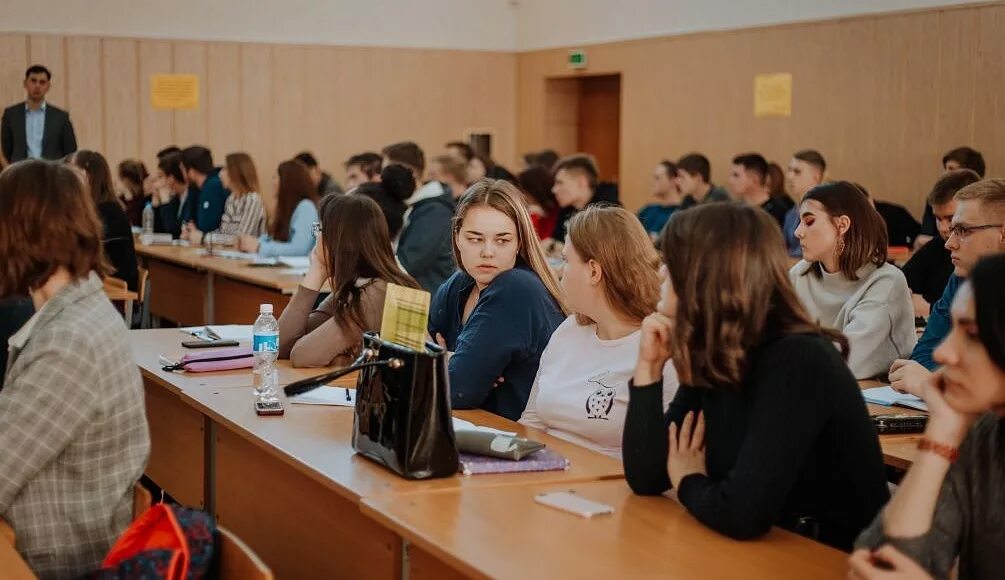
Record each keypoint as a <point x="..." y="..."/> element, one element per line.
<point x="773" y="95"/>
<point x="173" y="92"/>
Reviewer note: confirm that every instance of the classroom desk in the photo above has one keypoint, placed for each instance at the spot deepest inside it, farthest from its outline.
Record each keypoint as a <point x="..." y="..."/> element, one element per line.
<point x="193" y="289"/>
<point x="178" y="433"/>
<point x="305" y="458"/>
<point x="473" y="533"/>
<point x="899" y="450"/>
<point x="210" y="449"/>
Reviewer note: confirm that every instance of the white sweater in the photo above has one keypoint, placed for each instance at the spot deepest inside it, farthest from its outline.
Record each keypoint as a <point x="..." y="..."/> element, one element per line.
<point x="874" y="312"/>
<point x="581" y="390"/>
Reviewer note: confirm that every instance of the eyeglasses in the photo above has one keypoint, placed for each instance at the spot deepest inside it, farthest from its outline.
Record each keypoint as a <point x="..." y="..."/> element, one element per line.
<point x="963" y="232"/>
<point x="316" y="228"/>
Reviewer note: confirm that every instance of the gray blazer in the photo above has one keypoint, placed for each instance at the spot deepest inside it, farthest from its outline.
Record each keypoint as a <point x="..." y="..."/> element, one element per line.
<point x="58" y="138"/>
<point x="73" y="433"/>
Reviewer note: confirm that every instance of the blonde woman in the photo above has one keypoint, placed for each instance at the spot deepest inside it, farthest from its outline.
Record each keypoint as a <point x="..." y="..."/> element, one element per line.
<point x="243" y="213"/>
<point x="611" y="283"/>
<point x="498" y="311"/>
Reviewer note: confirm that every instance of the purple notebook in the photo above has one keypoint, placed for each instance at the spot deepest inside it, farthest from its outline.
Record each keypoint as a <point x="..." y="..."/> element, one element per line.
<point x="543" y="460"/>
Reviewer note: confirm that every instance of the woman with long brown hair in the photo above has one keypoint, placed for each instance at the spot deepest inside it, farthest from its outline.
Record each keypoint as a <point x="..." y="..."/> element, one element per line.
<point x="74" y="434"/>
<point x="243" y="213"/>
<point x="353" y="254"/>
<point x="768" y="426"/>
<point x="117" y="240"/>
<point x="498" y="311"/>
<point x="844" y="281"/>
<point x="291" y="215"/>
<point x="132" y="175"/>
<point x="611" y="283"/>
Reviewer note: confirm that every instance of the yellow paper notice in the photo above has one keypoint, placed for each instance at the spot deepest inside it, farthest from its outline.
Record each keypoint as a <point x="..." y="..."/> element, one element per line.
<point x="406" y="316"/>
<point x="173" y="92"/>
<point x="773" y="95"/>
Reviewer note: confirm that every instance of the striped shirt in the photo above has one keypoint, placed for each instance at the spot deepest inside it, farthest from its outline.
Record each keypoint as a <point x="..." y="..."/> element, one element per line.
<point x="243" y="215"/>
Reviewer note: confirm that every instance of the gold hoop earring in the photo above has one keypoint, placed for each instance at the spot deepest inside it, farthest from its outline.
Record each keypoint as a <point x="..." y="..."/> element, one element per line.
<point x="840" y="246"/>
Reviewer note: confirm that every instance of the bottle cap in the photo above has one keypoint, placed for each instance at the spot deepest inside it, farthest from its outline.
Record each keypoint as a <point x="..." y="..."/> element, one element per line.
<point x="265" y="309"/>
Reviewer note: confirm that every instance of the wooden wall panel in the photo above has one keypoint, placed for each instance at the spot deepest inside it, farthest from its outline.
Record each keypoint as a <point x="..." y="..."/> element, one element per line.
<point x="156" y="127"/>
<point x="989" y="99"/>
<point x="292" y="106"/>
<point x="84" y="94"/>
<point x="13" y="62"/>
<point x="256" y="108"/>
<point x="881" y="96"/>
<point x="51" y="51"/>
<point x="121" y="99"/>
<point x="191" y="126"/>
<point x="223" y="100"/>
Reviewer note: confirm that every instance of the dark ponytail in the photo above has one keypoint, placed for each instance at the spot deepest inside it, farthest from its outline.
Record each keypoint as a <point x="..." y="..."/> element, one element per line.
<point x="988" y="281"/>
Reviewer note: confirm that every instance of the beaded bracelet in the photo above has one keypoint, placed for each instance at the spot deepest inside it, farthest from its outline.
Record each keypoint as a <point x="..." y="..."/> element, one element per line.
<point x="947" y="452"/>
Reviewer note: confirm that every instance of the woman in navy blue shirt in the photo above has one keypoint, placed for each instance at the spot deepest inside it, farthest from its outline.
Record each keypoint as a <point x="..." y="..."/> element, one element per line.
<point x="498" y="311"/>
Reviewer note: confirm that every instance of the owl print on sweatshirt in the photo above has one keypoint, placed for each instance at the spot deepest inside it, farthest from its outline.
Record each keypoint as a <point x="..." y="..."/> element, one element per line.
<point x="601" y="401"/>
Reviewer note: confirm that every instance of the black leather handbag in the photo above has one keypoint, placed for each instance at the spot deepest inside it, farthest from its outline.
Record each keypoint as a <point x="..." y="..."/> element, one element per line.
<point x="402" y="415"/>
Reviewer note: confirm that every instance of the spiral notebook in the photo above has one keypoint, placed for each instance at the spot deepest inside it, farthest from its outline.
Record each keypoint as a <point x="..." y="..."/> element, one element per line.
<point x="543" y="460"/>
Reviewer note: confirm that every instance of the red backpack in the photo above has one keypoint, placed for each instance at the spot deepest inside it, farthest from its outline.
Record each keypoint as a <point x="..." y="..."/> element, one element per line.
<point x="167" y="542"/>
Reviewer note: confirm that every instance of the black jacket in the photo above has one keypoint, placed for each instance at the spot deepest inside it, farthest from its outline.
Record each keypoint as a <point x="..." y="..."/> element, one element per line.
<point x="425" y="247"/>
<point x="58" y="139"/>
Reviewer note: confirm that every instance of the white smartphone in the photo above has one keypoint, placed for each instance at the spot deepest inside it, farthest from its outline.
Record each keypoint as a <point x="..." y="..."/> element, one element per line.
<point x="568" y="501"/>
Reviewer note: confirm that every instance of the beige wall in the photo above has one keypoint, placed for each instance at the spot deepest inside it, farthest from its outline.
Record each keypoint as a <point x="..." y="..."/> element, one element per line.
<point x="882" y="97"/>
<point x="271" y="100"/>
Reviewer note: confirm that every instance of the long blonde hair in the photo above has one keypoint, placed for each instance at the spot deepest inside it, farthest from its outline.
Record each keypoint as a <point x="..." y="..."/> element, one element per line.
<point x="242" y="173"/>
<point x="504" y="197"/>
<point x="615" y="238"/>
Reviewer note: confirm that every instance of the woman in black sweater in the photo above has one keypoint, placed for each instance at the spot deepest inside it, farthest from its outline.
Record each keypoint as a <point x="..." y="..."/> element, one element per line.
<point x="769" y="426"/>
<point x="117" y="242"/>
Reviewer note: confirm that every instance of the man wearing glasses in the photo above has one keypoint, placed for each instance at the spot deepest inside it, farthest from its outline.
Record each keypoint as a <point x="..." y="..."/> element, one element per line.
<point x="977" y="230"/>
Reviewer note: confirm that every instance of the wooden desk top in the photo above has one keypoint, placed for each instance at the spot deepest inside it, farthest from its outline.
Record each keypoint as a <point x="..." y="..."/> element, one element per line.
<point x="898" y="450"/>
<point x="317" y="441"/>
<point x="503" y="533"/>
<point x="283" y="279"/>
<point x="149" y="345"/>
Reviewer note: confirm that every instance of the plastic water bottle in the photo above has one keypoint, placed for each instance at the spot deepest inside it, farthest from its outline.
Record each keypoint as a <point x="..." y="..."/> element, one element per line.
<point x="266" y="348"/>
<point x="148" y="225"/>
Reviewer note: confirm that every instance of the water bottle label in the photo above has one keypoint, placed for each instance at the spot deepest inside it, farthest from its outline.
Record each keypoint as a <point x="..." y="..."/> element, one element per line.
<point x="266" y="342"/>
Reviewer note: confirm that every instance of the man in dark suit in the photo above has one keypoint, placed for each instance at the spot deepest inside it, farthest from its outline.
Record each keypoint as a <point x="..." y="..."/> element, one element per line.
<point x="34" y="129"/>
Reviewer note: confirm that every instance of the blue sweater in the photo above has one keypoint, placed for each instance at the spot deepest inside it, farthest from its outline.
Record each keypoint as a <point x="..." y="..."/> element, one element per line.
<point x="789" y="230"/>
<point x="504" y="337"/>
<point x="939" y="325"/>
<point x="301" y="240"/>
<point x="212" y="197"/>
<point x="654" y="216"/>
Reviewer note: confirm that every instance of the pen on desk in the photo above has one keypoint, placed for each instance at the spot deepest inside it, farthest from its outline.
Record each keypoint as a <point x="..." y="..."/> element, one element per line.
<point x="347" y="397"/>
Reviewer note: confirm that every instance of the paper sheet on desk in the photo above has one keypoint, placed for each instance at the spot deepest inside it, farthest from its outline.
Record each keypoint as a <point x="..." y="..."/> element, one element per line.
<point x="462" y="425"/>
<point x="295" y="261"/>
<point x="230" y="254"/>
<point x="333" y="396"/>
<point x="887" y="396"/>
<point x="224" y="331"/>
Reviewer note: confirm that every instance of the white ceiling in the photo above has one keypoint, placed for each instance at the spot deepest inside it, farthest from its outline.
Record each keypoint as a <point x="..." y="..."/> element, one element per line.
<point x="459" y="24"/>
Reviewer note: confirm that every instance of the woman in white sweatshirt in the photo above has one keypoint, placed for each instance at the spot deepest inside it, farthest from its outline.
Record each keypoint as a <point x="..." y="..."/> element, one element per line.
<point x="845" y="282"/>
<point x="611" y="282"/>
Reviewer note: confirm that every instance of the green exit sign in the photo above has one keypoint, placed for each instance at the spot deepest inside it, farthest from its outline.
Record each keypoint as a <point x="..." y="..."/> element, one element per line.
<point x="577" y="59"/>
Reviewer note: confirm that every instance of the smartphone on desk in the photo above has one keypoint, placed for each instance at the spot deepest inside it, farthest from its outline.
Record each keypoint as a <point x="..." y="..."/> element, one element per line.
<point x="263" y="408"/>
<point x="568" y="501"/>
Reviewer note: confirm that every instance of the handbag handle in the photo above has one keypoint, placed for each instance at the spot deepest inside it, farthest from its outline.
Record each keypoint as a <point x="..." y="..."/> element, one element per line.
<point x="363" y="361"/>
